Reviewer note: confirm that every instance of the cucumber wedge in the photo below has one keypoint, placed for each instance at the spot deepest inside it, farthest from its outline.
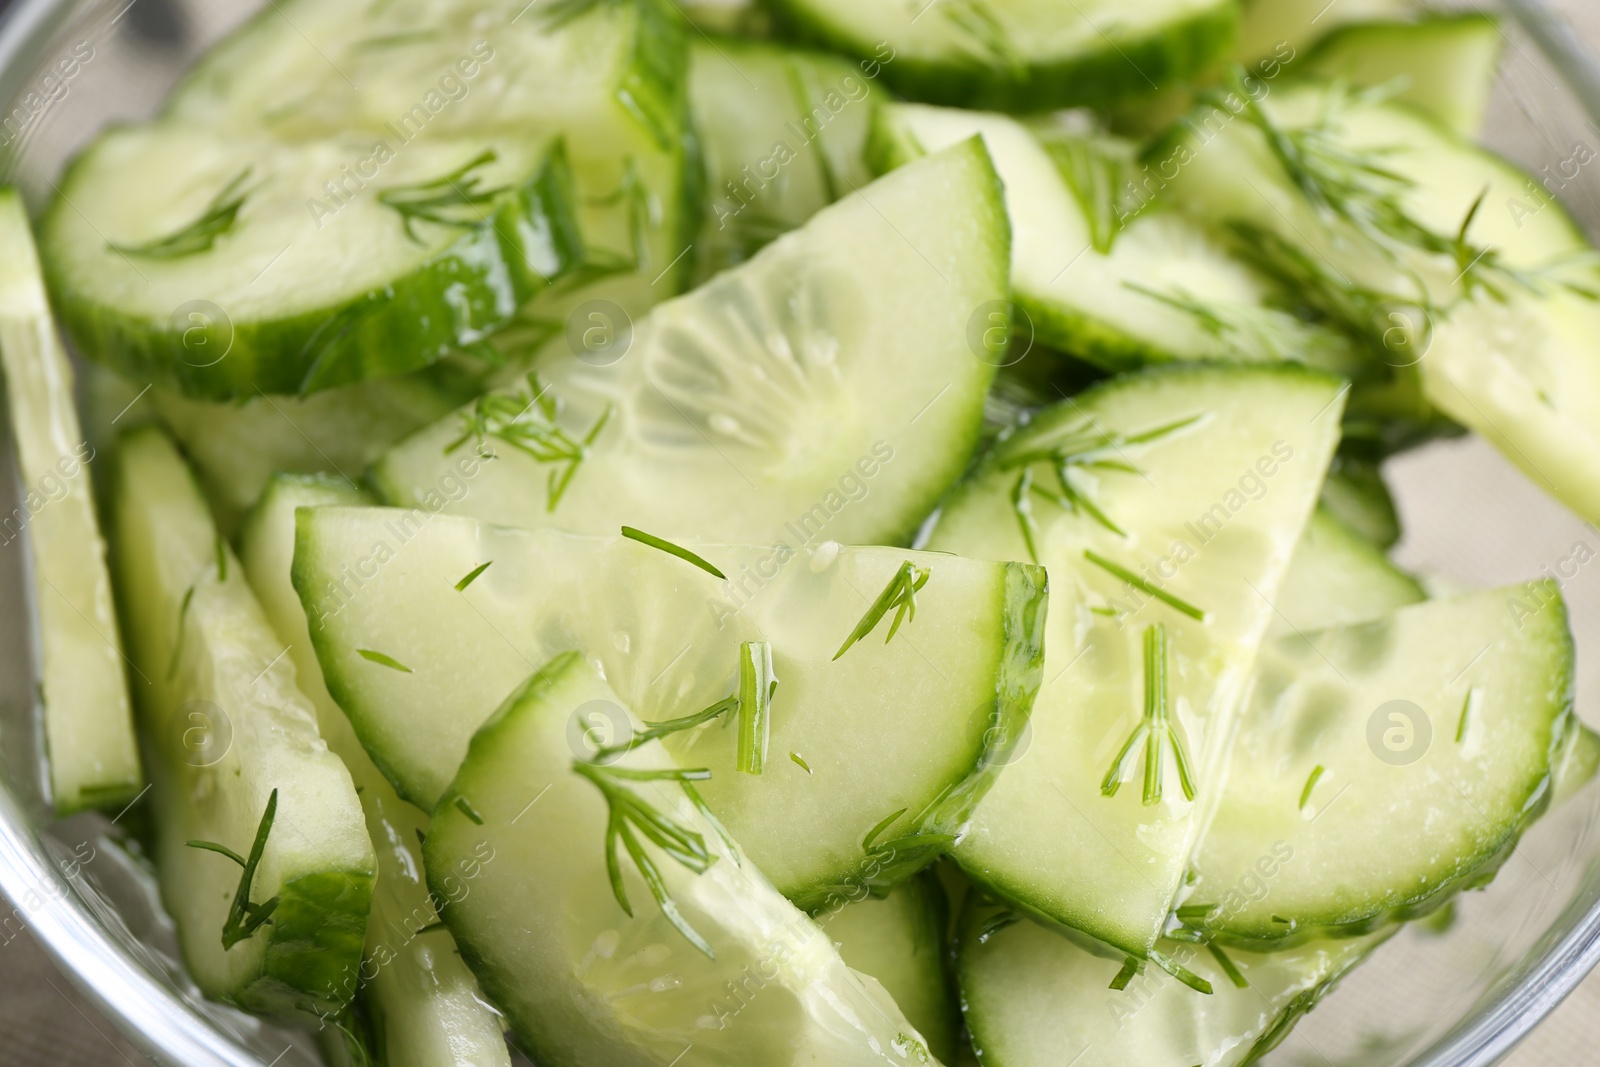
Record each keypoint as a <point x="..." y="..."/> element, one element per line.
<point x="1118" y="285"/>
<point x="224" y="731"/>
<point x="237" y="448"/>
<point x="607" y="79"/>
<point x="1022" y="55"/>
<point x="1034" y="999"/>
<point x="422" y="1002"/>
<point x="1578" y="764"/>
<point x="1178" y="459"/>
<point x="517" y="852"/>
<point x="233" y="280"/>
<point x="1493" y="322"/>
<point x="1443" y="64"/>
<point x="1442" y="720"/>
<point x="1338" y="578"/>
<point x="764" y="397"/>
<point x="899" y="940"/>
<point x="781" y="135"/>
<point x="88" y="723"/>
<point x="917" y="726"/>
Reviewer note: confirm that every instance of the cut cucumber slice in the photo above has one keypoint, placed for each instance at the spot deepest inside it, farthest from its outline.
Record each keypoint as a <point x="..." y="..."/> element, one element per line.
<point x="1503" y="350"/>
<point x="88" y="724"/>
<point x="1443" y="64"/>
<point x="781" y="134"/>
<point x="422" y="1003"/>
<point x="529" y="901"/>
<point x="899" y="940"/>
<point x="223" y="284"/>
<point x="919" y="725"/>
<point x="1213" y="502"/>
<point x="237" y="448"/>
<point x="750" y="408"/>
<point x="224" y="730"/>
<point x="606" y="78"/>
<point x="1034" y="999"/>
<point x="1117" y="285"/>
<point x="1283" y="29"/>
<point x="1023" y="55"/>
<point x="1578" y="764"/>
<point x="1338" y="578"/>
<point x="1442" y="719"/>
<point x="1356" y="494"/>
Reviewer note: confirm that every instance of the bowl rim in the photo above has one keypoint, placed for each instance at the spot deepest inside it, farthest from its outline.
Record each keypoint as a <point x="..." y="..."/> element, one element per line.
<point x="166" y="1026"/>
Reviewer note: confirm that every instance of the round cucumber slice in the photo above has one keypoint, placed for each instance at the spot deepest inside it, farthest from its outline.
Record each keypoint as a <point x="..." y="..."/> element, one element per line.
<point x="750" y="408"/>
<point x="1022" y="55"/>
<point x="899" y="940"/>
<point x="517" y="852"/>
<point x="1165" y="481"/>
<point x="1035" y="999"/>
<point x="1441" y="720"/>
<point x="241" y="278"/>
<point x="915" y="727"/>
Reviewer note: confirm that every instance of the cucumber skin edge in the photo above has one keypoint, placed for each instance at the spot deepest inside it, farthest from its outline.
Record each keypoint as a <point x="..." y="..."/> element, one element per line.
<point x="1173" y="52"/>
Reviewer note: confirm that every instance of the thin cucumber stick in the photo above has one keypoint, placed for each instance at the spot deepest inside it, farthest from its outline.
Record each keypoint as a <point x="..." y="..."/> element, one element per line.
<point x="88" y="724"/>
<point x="224" y="729"/>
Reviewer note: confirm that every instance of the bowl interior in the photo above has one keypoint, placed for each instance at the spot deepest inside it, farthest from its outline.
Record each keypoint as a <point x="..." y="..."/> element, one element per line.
<point x="1432" y="996"/>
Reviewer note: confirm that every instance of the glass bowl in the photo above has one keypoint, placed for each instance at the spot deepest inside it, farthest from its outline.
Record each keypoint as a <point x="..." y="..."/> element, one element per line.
<point x="1440" y="997"/>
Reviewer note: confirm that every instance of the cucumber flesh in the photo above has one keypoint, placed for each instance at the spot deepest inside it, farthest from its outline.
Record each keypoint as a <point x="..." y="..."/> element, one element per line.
<point x="1465" y="760"/>
<point x="1338" y="578"/>
<point x="237" y="448"/>
<point x="1578" y="764"/>
<point x="781" y="135"/>
<point x="753" y="401"/>
<point x="918" y="725"/>
<point x="1505" y="355"/>
<point x="88" y="722"/>
<point x="419" y="997"/>
<point x="1163" y="290"/>
<point x="899" y="940"/>
<point x="1443" y="64"/>
<point x="223" y="727"/>
<point x="1023" y="55"/>
<point x="286" y="299"/>
<point x="1285" y="28"/>
<point x="1356" y="494"/>
<point x="1045" y="837"/>
<point x="1016" y="978"/>
<point x="529" y="902"/>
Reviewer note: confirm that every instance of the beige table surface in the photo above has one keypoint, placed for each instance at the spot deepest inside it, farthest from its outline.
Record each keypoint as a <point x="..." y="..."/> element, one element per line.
<point x="45" y="1020"/>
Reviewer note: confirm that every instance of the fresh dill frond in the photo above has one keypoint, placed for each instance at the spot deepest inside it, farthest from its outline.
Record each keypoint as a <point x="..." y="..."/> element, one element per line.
<point x="1145" y="586"/>
<point x="383" y="660"/>
<point x="183" y="626"/>
<point x="800" y="762"/>
<point x="758" y="682"/>
<point x="1155" y="731"/>
<point x="631" y="816"/>
<point x="528" y="420"/>
<point x="899" y="596"/>
<point x="471" y="576"/>
<point x="1468" y="706"/>
<point x="1130" y="968"/>
<point x="1022" y="507"/>
<point x="978" y="22"/>
<point x="915" y="840"/>
<point x="1180" y="972"/>
<point x="1311" y="784"/>
<point x="464" y="806"/>
<point x="656" y="730"/>
<point x="456" y="199"/>
<point x="245" y="918"/>
<point x="1081" y="448"/>
<point x="215" y="221"/>
<point x="1229" y="968"/>
<point x="671" y="549"/>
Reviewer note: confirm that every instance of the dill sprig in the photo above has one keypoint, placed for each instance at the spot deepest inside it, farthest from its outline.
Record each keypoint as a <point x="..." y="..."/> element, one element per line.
<point x="1468" y="706"/>
<point x="1180" y="972"/>
<point x="1155" y="730"/>
<point x="1311" y="785"/>
<point x="800" y="762"/>
<point x="655" y="731"/>
<point x="471" y="576"/>
<point x="217" y="219"/>
<point x="1000" y="919"/>
<point x="183" y="626"/>
<point x="245" y="918"/>
<point x="917" y="839"/>
<point x="1258" y="332"/>
<point x="454" y="199"/>
<point x="1082" y="448"/>
<point x="631" y="816"/>
<point x="973" y="18"/>
<point x="1130" y="967"/>
<point x="671" y="549"/>
<point x="528" y="420"/>
<point x="383" y="660"/>
<point x="899" y="596"/>
<point x="758" y="682"/>
<point x="1229" y="968"/>
<point x="1145" y="586"/>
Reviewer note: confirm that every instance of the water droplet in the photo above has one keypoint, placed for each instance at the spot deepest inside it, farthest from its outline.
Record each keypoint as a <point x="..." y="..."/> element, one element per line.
<point x="605" y="945"/>
<point x="621" y="641"/>
<point x="665" y="984"/>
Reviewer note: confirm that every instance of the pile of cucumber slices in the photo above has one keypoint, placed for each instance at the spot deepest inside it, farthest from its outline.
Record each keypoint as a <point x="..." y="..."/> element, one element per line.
<point x="825" y="533"/>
